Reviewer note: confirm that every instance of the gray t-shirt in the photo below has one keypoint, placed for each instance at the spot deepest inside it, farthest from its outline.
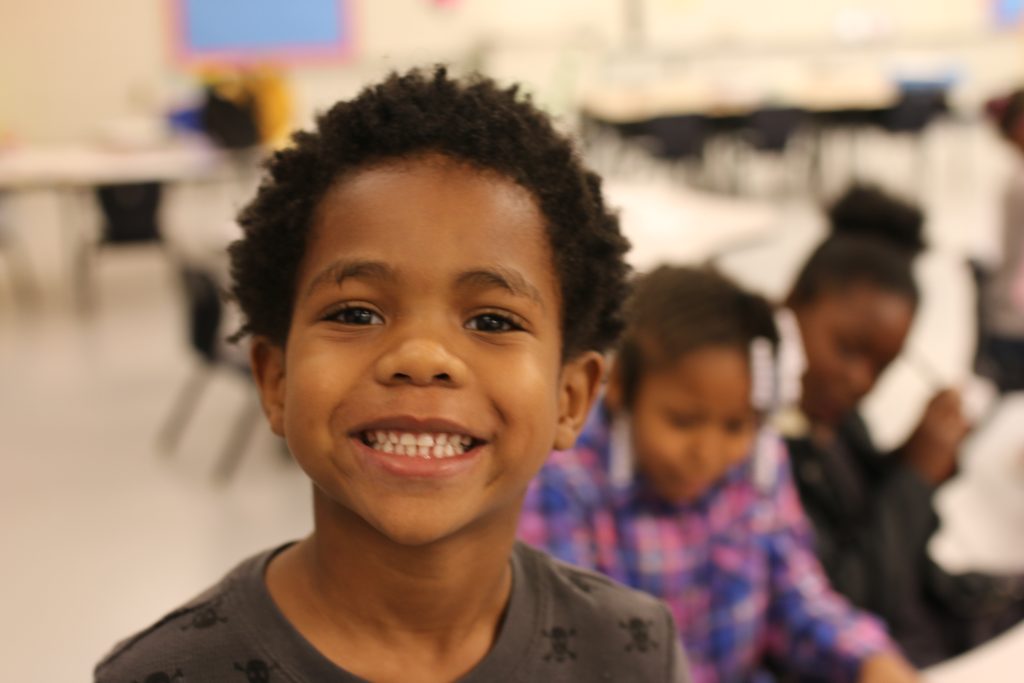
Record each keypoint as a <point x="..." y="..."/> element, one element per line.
<point x="562" y="624"/>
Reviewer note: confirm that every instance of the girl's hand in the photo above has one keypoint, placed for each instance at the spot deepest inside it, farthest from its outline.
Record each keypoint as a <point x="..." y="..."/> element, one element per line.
<point x="887" y="668"/>
<point x="933" y="447"/>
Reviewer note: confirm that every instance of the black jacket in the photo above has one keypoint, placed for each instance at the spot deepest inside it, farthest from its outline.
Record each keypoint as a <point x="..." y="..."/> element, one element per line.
<point x="873" y="518"/>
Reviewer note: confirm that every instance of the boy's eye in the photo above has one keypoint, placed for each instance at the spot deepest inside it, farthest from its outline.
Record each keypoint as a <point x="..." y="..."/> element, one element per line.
<point x="492" y="322"/>
<point x="356" y="315"/>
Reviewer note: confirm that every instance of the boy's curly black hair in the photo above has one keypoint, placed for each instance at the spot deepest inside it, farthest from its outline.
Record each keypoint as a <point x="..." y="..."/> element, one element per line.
<point x="473" y="121"/>
<point x="676" y="310"/>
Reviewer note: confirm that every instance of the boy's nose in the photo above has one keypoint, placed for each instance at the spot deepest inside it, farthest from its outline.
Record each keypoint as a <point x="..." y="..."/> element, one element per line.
<point x="420" y="362"/>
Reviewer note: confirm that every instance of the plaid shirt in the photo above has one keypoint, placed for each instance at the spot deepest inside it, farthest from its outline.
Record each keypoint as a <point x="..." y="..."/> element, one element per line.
<point x="736" y="566"/>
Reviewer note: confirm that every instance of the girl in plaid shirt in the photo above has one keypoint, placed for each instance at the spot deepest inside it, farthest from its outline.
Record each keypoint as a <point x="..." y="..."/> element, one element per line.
<point x="661" y="492"/>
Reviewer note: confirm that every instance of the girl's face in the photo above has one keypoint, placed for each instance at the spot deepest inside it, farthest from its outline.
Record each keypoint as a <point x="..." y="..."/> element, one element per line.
<point x="850" y="336"/>
<point x="691" y="422"/>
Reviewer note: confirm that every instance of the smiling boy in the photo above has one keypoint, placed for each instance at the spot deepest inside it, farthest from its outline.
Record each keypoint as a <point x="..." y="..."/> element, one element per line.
<point x="428" y="279"/>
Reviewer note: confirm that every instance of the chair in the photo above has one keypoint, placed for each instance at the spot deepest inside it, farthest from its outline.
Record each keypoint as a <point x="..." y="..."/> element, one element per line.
<point x="915" y="109"/>
<point x="997" y="358"/>
<point x="678" y="138"/>
<point x="15" y="262"/>
<point x="918" y="106"/>
<point x="205" y="314"/>
<point x="128" y="213"/>
<point x="769" y="133"/>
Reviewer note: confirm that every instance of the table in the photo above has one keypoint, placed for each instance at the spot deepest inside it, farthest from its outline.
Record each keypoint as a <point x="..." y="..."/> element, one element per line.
<point x="982" y="512"/>
<point x="982" y="509"/>
<point x="692" y="117"/>
<point x="670" y="223"/>
<point x="72" y="172"/>
<point x="1000" y="660"/>
<point x="621" y="103"/>
<point x="84" y="165"/>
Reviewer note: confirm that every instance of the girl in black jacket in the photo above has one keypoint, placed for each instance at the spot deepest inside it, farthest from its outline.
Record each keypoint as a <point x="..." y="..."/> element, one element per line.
<point x="854" y="302"/>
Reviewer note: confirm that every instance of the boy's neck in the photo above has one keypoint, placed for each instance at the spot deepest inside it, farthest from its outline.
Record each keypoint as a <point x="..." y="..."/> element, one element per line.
<point x="347" y="587"/>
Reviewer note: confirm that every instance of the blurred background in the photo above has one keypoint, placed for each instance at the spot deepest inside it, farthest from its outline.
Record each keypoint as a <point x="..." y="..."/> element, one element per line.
<point x="136" y="467"/>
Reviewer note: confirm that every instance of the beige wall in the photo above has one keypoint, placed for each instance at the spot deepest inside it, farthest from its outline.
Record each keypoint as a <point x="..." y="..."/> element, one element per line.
<point x="801" y="20"/>
<point x="66" y="66"/>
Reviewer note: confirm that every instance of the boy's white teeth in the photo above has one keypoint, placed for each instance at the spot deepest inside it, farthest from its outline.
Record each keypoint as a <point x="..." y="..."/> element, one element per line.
<point x="421" y="444"/>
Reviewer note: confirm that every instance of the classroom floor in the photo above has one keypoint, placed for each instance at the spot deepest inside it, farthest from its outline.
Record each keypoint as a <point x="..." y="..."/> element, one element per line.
<point x="102" y="532"/>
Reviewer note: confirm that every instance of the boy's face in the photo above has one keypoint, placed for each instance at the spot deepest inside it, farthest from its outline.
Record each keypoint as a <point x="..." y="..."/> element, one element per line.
<point x="427" y="313"/>
<point x="850" y="335"/>
<point x="691" y="421"/>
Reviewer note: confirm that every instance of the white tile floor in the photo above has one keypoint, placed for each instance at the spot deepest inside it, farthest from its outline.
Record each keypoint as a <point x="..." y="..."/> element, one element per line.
<point x="101" y="533"/>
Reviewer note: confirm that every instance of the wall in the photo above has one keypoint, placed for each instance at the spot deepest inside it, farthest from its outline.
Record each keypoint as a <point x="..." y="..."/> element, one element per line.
<point x="66" y="66"/>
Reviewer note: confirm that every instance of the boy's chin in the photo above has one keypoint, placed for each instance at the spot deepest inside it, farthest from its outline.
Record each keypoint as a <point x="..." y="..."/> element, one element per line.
<point x="420" y="537"/>
<point x="423" y="531"/>
<point x="419" y="522"/>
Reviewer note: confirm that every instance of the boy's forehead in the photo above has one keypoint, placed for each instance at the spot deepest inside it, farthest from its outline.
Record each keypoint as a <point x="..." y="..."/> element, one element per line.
<point x="431" y="188"/>
<point x="417" y="165"/>
<point x="388" y="188"/>
<point x="431" y="201"/>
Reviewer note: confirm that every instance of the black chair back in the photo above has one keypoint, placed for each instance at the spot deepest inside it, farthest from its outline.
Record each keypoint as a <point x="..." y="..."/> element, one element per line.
<point x="129" y="212"/>
<point x="679" y="137"/>
<point x="204" y="309"/>
<point x="772" y="129"/>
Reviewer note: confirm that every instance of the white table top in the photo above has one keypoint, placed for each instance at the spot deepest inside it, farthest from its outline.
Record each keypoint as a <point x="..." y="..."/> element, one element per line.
<point x="998" y="661"/>
<point x="982" y="509"/>
<point x="982" y="512"/>
<point x="673" y="224"/>
<point x="82" y="164"/>
<point x="638" y="101"/>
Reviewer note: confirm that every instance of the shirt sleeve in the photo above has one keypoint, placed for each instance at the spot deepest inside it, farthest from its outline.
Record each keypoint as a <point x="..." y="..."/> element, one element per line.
<point x="555" y="520"/>
<point x="812" y="629"/>
<point x="678" y="665"/>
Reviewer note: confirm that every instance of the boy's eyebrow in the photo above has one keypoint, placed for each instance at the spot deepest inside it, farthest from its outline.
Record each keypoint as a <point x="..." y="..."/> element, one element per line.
<point x="495" y="276"/>
<point x="339" y="271"/>
<point x="503" y="278"/>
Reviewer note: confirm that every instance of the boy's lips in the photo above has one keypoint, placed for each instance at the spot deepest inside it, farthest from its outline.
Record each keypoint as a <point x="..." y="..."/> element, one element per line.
<point x="419" y="448"/>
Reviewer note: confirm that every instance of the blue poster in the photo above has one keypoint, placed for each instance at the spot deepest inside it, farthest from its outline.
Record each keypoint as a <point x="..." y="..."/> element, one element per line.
<point x="263" y="27"/>
<point x="1007" y="13"/>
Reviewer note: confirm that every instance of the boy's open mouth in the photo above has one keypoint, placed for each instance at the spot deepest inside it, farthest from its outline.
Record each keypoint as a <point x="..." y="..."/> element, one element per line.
<point x="428" y="445"/>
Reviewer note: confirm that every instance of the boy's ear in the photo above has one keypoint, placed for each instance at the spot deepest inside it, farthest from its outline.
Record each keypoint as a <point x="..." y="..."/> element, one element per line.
<point x="581" y="380"/>
<point x="267" y="362"/>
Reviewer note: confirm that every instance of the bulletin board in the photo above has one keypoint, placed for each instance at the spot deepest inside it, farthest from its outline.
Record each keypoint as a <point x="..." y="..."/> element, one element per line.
<point x="245" y="31"/>
<point x="1007" y="13"/>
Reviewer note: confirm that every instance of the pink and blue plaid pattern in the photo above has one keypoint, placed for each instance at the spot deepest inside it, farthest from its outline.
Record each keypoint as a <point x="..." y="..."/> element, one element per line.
<point x="736" y="567"/>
